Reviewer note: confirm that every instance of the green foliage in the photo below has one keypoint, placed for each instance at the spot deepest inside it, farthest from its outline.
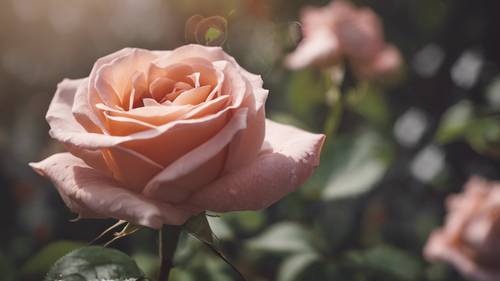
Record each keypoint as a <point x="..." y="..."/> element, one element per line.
<point x="40" y="263"/>
<point x="95" y="263"/>
<point x="355" y="164"/>
<point x="199" y="227"/>
<point x="306" y="94"/>
<point x="455" y="122"/>
<point x="385" y="261"/>
<point x="294" y="266"/>
<point x="282" y="238"/>
<point x="369" y="102"/>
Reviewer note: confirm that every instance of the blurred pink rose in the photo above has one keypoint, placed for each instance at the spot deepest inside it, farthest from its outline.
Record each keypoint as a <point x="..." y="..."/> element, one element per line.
<point x="158" y="136"/>
<point x="341" y="30"/>
<point x="470" y="239"/>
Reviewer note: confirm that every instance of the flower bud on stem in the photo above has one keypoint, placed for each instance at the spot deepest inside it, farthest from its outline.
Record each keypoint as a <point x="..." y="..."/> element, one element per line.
<point x="168" y="238"/>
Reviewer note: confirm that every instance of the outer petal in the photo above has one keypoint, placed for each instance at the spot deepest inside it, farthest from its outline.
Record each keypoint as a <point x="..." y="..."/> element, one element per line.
<point x="198" y="167"/>
<point x="246" y="145"/>
<point x="278" y="170"/>
<point x="66" y="129"/>
<point x="61" y="120"/>
<point x="93" y="195"/>
<point x="320" y="48"/>
<point x="440" y="248"/>
<point x="386" y="64"/>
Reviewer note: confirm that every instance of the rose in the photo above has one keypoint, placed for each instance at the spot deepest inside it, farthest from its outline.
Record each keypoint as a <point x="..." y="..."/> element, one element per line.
<point x="470" y="239"/>
<point x="341" y="30"/>
<point x="158" y="136"/>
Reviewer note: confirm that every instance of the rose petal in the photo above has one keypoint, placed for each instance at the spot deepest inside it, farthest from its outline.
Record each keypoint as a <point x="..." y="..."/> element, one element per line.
<point x="194" y="96"/>
<point x="440" y="248"/>
<point x="385" y="65"/>
<point x="113" y="80"/>
<point x="321" y="48"/>
<point x="130" y="168"/>
<point x="153" y="114"/>
<point x="290" y="161"/>
<point x="174" y="184"/>
<point x="88" y="193"/>
<point x="246" y="145"/>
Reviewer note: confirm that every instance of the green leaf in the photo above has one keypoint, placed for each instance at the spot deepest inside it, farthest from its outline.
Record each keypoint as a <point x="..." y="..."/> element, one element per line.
<point x="246" y="221"/>
<point x="386" y="262"/>
<point x="282" y="238"/>
<point x="220" y="228"/>
<point x="40" y="263"/>
<point x="356" y="166"/>
<point x="455" y="122"/>
<point x="199" y="227"/>
<point x="484" y="135"/>
<point x="178" y="274"/>
<point x="306" y="95"/>
<point x="369" y="102"/>
<point x="95" y="263"/>
<point x="493" y="93"/>
<point x="334" y="116"/>
<point x="292" y="268"/>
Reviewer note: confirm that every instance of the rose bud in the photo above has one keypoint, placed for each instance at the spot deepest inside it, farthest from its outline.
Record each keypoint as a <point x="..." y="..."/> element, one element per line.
<point x="155" y="137"/>
<point x="470" y="238"/>
<point x="342" y="31"/>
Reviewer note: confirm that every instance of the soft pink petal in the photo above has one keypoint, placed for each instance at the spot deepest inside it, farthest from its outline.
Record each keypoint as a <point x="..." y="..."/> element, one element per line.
<point x="178" y="180"/>
<point x="194" y="96"/>
<point x="113" y="81"/>
<point x="320" y="48"/>
<point x="188" y="52"/>
<point x="361" y="35"/>
<point x="206" y="108"/>
<point x="385" y="65"/>
<point x="246" y="145"/>
<point x="440" y="248"/>
<point x="89" y="192"/>
<point x="291" y="159"/>
<point x="130" y="168"/>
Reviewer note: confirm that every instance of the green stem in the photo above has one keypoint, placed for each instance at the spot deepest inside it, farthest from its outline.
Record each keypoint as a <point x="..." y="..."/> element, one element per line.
<point x="169" y="237"/>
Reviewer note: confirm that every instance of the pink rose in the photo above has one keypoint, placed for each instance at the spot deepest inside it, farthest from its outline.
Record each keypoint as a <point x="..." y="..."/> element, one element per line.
<point x="158" y="136"/>
<point x="470" y="239"/>
<point x="340" y="30"/>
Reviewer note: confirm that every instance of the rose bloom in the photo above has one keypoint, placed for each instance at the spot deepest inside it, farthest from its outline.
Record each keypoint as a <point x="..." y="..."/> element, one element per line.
<point x="155" y="137"/>
<point x="470" y="239"/>
<point x="340" y="30"/>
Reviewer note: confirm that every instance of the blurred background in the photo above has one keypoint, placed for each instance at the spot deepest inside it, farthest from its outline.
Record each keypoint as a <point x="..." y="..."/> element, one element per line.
<point x="399" y="150"/>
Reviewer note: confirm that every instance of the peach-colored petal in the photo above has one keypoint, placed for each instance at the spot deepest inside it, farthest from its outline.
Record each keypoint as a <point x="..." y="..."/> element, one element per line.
<point x="246" y="145"/>
<point x="385" y="65"/>
<point x="172" y="185"/>
<point x="154" y="114"/>
<point x="93" y="195"/>
<point x="113" y="81"/>
<point x="168" y="142"/>
<point x="234" y="84"/>
<point x="130" y="168"/>
<point x="83" y="112"/>
<point x="194" y="96"/>
<point x="292" y="156"/>
<point x="361" y="36"/>
<point x="439" y="248"/>
<point x="206" y="108"/>
<point x="125" y="126"/>
<point x="321" y="48"/>
<point x="194" y="51"/>
<point x="160" y="87"/>
<point x="61" y="121"/>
